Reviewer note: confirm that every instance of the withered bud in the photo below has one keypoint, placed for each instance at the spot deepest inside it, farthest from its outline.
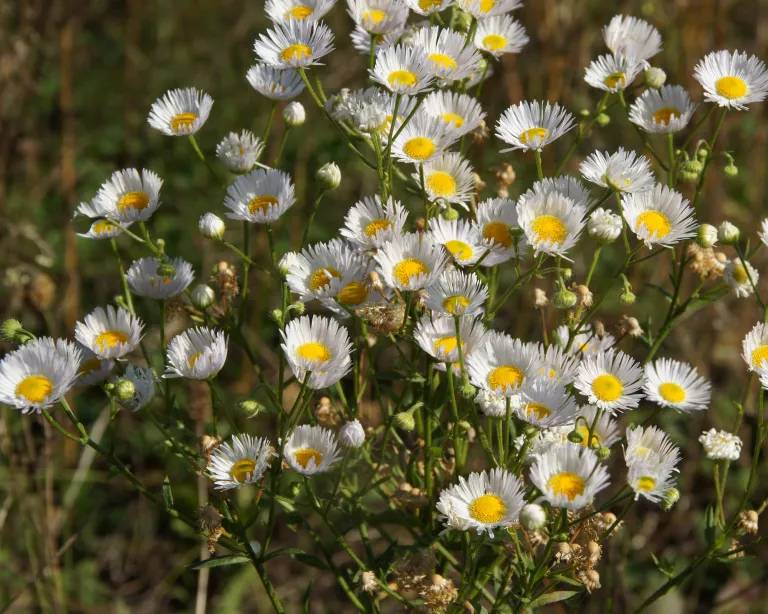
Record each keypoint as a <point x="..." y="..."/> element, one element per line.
<point x="583" y="295"/>
<point x="748" y="522"/>
<point x="630" y="326"/>
<point x="540" y="299"/>
<point x="599" y="329"/>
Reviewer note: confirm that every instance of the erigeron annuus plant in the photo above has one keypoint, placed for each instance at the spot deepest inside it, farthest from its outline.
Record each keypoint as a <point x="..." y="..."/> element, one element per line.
<point x="499" y="468"/>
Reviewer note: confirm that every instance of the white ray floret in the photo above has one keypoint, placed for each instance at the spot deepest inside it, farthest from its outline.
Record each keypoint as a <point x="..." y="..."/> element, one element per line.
<point x="448" y="179"/>
<point x="650" y="445"/>
<point x="311" y="449"/>
<point x="197" y="353"/>
<point x="480" y="9"/>
<point x="460" y="114"/>
<point x="632" y="37"/>
<point x="109" y="333"/>
<point x="499" y="35"/>
<point x="662" y="111"/>
<point x="459" y="237"/>
<point x="402" y="70"/>
<point x="533" y="125"/>
<point x="318" y="350"/>
<point x="622" y="171"/>
<point x="422" y="139"/>
<point x="568" y="476"/>
<point x="605" y="430"/>
<point x="428" y="7"/>
<point x="612" y="73"/>
<point x="437" y="337"/>
<point x="660" y="216"/>
<point x="496" y="219"/>
<point x="294" y="44"/>
<point x="551" y="222"/>
<point x="280" y="11"/>
<point x="319" y="270"/>
<point x="678" y="385"/>
<point x="564" y="185"/>
<point x="448" y="59"/>
<point x="651" y="481"/>
<point x="103" y="229"/>
<point x="145" y="278"/>
<point x="371" y="222"/>
<point x="378" y="16"/>
<point x="611" y="380"/>
<point x="544" y="403"/>
<point x="180" y="112"/>
<point x="239" y="152"/>
<point x="127" y="196"/>
<point x="742" y="277"/>
<point x="260" y="196"/>
<point x="411" y="261"/>
<point x="275" y="83"/>
<point x="754" y="347"/>
<point x="502" y="364"/>
<point x="732" y="79"/>
<point x="240" y="461"/>
<point x="554" y="363"/>
<point x="457" y="293"/>
<point x="586" y="342"/>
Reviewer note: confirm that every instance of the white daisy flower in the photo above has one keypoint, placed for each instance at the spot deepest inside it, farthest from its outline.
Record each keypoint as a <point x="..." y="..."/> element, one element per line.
<point x="544" y="403"/>
<point x="318" y="346"/>
<point x="763" y="233"/>
<point x="39" y="373"/>
<point x="670" y="383"/>
<point x="109" y="333"/>
<point x="480" y="9"/>
<point x="650" y="445"/>
<point x="741" y="277"/>
<point x="732" y="79"/>
<point x="260" y="196"/>
<point x="354" y="288"/>
<point x="239" y="152"/>
<point x="197" y="353"/>
<point x="448" y="59"/>
<point x="448" y="179"/>
<point x="564" y="185"/>
<point x="651" y="480"/>
<point x="411" y="261"/>
<point x="180" y="112"/>
<point x="533" y="125"/>
<point x="103" y="229"/>
<point x="632" y="37"/>
<point x="502" y="364"/>
<point x="240" y="461"/>
<point x="361" y="40"/>
<point x="378" y="16"/>
<point x="147" y="277"/>
<point x="496" y="219"/>
<point x="459" y="237"/>
<point x="280" y="11"/>
<point x="127" y="196"/>
<point x="555" y="364"/>
<point x="568" y="476"/>
<point x="754" y="347"/>
<point x="499" y="35"/>
<point x="317" y="272"/>
<point x="612" y="73"/>
<point x="604" y="225"/>
<point x="660" y="216"/>
<point x="460" y="114"/>
<point x="665" y="110"/>
<point x="294" y="44"/>
<point x="311" y="449"/>
<point x="370" y="223"/>
<point x="551" y="222"/>
<point x="402" y="70"/>
<point x="457" y="293"/>
<point x="721" y="445"/>
<point x="605" y="431"/>
<point x="610" y="380"/>
<point x="93" y="369"/>
<point x="482" y="501"/>
<point x="275" y="83"/>
<point x="143" y="380"/>
<point x="585" y="342"/>
<point x="437" y="336"/>
<point x="422" y="139"/>
<point x="622" y="171"/>
<point x="428" y="7"/>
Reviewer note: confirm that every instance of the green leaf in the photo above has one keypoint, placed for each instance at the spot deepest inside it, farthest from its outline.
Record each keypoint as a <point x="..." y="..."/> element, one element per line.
<point x="221" y="561"/>
<point x="298" y="555"/>
<point x="552" y="597"/>
<point x="167" y="493"/>
<point x="286" y="504"/>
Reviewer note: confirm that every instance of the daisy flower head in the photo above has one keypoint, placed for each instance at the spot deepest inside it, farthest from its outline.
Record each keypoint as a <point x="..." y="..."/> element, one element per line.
<point x="260" y="197"/>
<point x="317" y="349"/>
<point x="180" y="112"/>
<point x="612" y="73"/>
<point x="239" y="152"/>
<point x="280" y="11"/>
<point x="501" y="364"/>
<point x="586" y="342"/>
<point x="605" y="430"/>
<point x="197" y="353"/>
<point x="484" y="501"/>
<point x="622" y="171"/>
<point x="311" y="449"/>
<point x="754" y="347"/>
<point x="158" y="279"/>
<point x="459" y="237"/>
<point x="651" y="480"/>
<point x="632" y="38"/>
<point x="294" y="44"/>
<point x="378" y="16"/>
<point x="604" y="225"/>
<point x="129" y="195"/>
<point x="317" y="272"/>
<point x="411" y="261"/>
<point x="437" y="337"/>
<point x="660" y="216"/>
<point x="422" y="139"/>
<point x="564" y="185"/>
<point x="551" y="222"/>
<point x="102" y="229"/>
<point x="611" y="380"/>
<point x="143" y="381"/>
<point x="354" y="289"/>
<point x="568" y="476"/>
<point x="650" y="445"/>
<point x="362" y="40"/>
<point x="457" y="293"/>
<point x="554" y="363"/>
<point x="533" y="125"/>
<point x="499" y="35"/>
<point x="275" y="83"/>
<point x="544" y="403"/>
<point x="741" y="276"/>
<point x="460" y="114"/>
<point x="448" y="179"/>
<point x="109" y="333"/>
<point x="732" y="79"/>
<point x="496" y="219"/>
<point x="240" y="461"/>
<point x="428" y="7"/>
<point x="665" y="110"/>
<point x="670" y="383"/>
<point x="402" y="70"/>
<point x="448" y="59"/>
<point x="93" y="369"/>
<point x="371" y="222"/>
<point x="721" y="445"/>
<point x="480" y="9"/>
<point x="39" y="373"/>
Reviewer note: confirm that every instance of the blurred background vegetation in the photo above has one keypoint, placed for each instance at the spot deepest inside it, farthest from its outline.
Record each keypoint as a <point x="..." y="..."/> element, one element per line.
<point x="76" y="82"/>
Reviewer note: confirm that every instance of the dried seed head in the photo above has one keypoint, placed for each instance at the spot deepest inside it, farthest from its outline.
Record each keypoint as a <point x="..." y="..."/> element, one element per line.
<point x="540" y="299"/>
<point x="368" y="582"/>
<point x="748" y="522"/>
<point x="630" y="326"/>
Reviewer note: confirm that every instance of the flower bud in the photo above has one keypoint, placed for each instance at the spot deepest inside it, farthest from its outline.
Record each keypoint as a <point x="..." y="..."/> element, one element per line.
<point x="166" y="269"/>
<point x="294" y="114"/>
<point x="125" y="389"/>
<point x="564" y="299"/>
<point x="533" y="517"/>
<point x="211" y="226"/>
<point x="468" y="391"/>
<point x="671" y="497"/>
<point x="731" y="170"/>
<point x="251" y="408"/>
<point x="627" y="297"/>
<point x="277" y="315"/>
<point x="575" y="437"/>
<point x="603" y="119"/>
<point x="603" y="453"/>
<point x="728" y="233"/>
<point x="203" y="296"/>
<point x="706" y="236"/>
<point x="405" y="421"/>
<point x="352" y="434"/>
<point x="450" y="214"/>
<point x="287" y="263"/>
<point x="11" y="329"/>
<point x="690" y="170"/>
<point x="604" y="226"/>
<point x="702" y="153"/>
<point x="463" y="21"/>
<point x="329" y="175"/>
<point x="298" y="308"/>
<point x="655" y="77"/>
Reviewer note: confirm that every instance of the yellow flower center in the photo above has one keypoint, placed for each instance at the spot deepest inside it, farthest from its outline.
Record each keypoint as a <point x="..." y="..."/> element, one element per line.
<point x="656" y="223"/>
<point x="567" y="484"/>
<point x="262" y="202"/>
<point x="183" y="121"/>
<point x="645" y="483"/>
<point x="133" y="200"/>
<point x="731" y="87"/>
<point x="103" y="226"/>
<point x="425" y="5"/>
<point x="494" y="42"/>
<point x="615" y="80"/>
<point x="488" y="509"/>
<point x="419" y="148"/>
<point x="296" y="52"/>
<point x="452" y="118"/>
<point x="109" y="339"/>
<point x="759" y="354"/>
<point x="402" y="78"/>
<point x="34" y="388"/>
<point x="446" y="345"/>
<point x="242" y="470"/>
<point x="533" y="136"/>
<point x="672" y="392"/>
<point x="314" y="352"/>
<point x="740" y="274"/>
<point x="538" y="410"/>
<point x="456" y="304"/>
<point x="441" y="184"/>
<point x="642" y="452"/>
<point x="607" y="387"/>
<point x="498" y="232"/>
<point x="374" y="227"/>
<point x="353" y="293"/>
<point x="374" y="16"/>
<point x="322" y="277"/>
<point x="459" y="250"/>
<point x="442" y="60"/>
<point x="407" y="269"/>
<point x="665" y="115"/>
<point x="550" y="229"/>
<point x="585" y="442"/>
<point x="193" y="358"/>
<point x="299" y="12"/>
<point x="486" y="5"/>
<point x="505" y="376"/>
<point x="304" y="455"/>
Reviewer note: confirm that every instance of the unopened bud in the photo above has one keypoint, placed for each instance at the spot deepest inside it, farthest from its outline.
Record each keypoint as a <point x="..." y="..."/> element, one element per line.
<point x="564" y="299"/>
<point x="671" y="496"/>
<point x="11" y="330"/>
<point x="450" y="214"/>
<point x="294" y="114"/>
<point x="603" y="119"/>
<point x="655" y="77"/>
<point x="203" y="296"/>
<point x="627" y="297"/>
<point x="329" y="176"/>
<point x="405" y="421"/>
<point x="251" y="408"/>
<point x="468" y="391"/>
<point x="728" y="233"/>
<point x="533" y="517"/>
<point x="125" y="389"/>
<point x="462" y="21"/>
<point x="731" y="170"/>
<point x="298" y="308"/>
<point x="211" y="226"/>
<point x="352" y="434"/>
<point x="603" y="453"/>
<point x="706" y="236"/>
<point x="690" y="170"/>
<point x="575" y="437"/>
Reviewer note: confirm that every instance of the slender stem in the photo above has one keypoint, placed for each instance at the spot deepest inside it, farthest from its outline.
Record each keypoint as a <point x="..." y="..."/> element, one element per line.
<point x="593" y="265"/>
<point x="539" y="167"/>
